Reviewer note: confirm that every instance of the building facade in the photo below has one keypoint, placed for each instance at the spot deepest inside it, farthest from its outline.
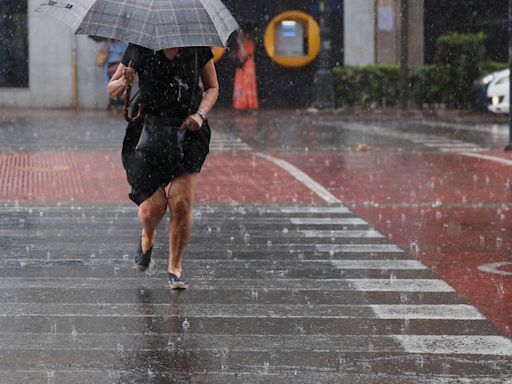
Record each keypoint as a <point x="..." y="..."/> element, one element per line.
<point x="44" y="65"/>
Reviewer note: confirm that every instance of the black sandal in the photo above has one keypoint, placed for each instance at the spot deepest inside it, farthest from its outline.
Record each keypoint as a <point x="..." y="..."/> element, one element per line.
<point x="176" y="282"/>
<point x="142" y="259"/>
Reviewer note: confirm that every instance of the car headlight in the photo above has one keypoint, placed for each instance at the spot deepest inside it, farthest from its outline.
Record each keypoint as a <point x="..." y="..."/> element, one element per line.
<point x="495" y="100"/>
<point x="487" y="79"/>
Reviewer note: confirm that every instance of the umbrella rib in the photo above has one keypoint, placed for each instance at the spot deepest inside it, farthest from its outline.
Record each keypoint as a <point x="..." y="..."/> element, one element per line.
<point x="177" y="25"/>
<point x="118" y="18"/>
<point x="145" y="21"/>
<point x="199" y="20"/>
<point x="204" y="3"/>
<point x="204" y="7"/>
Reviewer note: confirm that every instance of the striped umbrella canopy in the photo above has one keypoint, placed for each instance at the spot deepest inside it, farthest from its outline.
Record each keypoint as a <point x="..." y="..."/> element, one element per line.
<point x="154" y="24"/>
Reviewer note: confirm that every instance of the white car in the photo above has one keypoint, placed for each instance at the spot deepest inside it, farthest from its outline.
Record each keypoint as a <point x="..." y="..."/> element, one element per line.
<point x="498" y="92"/>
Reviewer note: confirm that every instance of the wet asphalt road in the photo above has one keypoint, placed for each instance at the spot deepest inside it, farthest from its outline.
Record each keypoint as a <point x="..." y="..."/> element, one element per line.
<point x="287" y="286"/>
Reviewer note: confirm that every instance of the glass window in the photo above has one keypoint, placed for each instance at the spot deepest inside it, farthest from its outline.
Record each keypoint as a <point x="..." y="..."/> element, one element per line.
<point x="13" y="44"/>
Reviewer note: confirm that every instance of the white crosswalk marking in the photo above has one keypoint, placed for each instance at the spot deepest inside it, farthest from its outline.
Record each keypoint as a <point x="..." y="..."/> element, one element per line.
<point x="378" y="264"/>
<point x="442" y="143"/>
<point x="308" y="293"/>
<point x="343" y="234"/>
<point x="359" y="248"/>
<point x="481" y="345"/>
<point x="222" y="142"/>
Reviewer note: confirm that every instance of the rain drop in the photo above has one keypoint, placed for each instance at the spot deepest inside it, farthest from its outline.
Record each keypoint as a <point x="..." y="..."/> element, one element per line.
<point x="499" y="242"/>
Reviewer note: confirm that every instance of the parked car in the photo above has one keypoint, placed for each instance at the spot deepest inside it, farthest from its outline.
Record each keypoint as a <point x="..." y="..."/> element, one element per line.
<point x="480" y="94"/>
<point x="498" y="92"/>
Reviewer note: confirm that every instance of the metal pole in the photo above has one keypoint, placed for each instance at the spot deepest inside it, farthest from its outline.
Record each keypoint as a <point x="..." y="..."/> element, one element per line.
<point x="324" y="78"/>
<point x="74" y="73"/>
<point x="404" y="53"/>
<point x="509" y="146"/>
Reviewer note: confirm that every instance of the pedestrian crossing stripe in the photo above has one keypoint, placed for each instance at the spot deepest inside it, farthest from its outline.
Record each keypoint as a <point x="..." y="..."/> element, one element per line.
<point x="444" y="144"/>
<point x="422" y="325"/>
<point x="221" y="142"/>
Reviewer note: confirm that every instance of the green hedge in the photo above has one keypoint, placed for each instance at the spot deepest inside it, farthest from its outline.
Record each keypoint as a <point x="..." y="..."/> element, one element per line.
<point x="459" y="61"/>
<point x="371" y="86"/>
<point x="487" y="67"/>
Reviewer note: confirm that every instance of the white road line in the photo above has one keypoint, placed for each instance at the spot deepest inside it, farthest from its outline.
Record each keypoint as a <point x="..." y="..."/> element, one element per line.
<point x="452" y="145"/>
<point x="459" y="150"/>
<point x="327" y="220"/>
<point x="400" y="285"/>
<point x="431" y="312"/>
<point x="479" y="345"/>
<point x="379" y="264"/>
<point x="313" y="210"/>
<point x="281" y="284"/>
<point x="490" y="158"/>
<point x="305" y="179"/>
<point x="325" y="311"/>
<point x="415" y="138"/>
<point x="358" y="248"/>
<point x="437" y="140"/>
<point x="344" y="234"/>
<point x="496" y="129"/>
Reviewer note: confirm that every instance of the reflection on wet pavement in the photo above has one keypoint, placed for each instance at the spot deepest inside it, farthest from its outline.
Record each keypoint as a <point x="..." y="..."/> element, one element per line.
<point x="408" y="281"/>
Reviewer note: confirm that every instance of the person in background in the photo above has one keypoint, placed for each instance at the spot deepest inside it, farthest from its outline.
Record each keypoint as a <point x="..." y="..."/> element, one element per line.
<point x="245" y="94"/>
<point x="114" y="52"/>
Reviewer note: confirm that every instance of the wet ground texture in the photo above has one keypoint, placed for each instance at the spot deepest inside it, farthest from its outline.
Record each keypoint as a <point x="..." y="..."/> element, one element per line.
<point x="323" y="251"/>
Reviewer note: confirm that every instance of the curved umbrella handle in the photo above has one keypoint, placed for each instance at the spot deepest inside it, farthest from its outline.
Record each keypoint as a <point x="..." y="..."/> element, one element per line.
<point x="127" y="107"/>
<point x="127" y="97"/>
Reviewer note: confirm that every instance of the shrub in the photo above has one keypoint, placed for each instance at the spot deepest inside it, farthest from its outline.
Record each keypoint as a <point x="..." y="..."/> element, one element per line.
<point x="425" y="86"/>
<point x="369" y="86"/>
<point x="458" y="57"/>
<point x="459" y="61"/>
<point x="487" y="67"/>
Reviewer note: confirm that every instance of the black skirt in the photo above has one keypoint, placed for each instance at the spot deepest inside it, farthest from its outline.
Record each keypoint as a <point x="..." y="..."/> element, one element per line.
<point x="148" y="172"/>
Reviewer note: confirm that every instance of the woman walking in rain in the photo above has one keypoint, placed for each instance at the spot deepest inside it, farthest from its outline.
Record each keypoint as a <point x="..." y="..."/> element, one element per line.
<point x="164" y="155"/>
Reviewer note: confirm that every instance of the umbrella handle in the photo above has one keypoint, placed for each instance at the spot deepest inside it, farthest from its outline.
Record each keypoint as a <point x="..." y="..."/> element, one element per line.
<point x="127" y="97"/>
<point x="127" y="107"/>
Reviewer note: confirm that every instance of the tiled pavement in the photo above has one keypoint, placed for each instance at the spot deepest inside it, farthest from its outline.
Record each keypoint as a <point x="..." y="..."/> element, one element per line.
<point x="279" y="294"/>
<point x="284" y="288"/>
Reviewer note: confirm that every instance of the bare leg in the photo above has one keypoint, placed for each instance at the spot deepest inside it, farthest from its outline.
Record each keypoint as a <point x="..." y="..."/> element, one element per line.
<point x="151" y="212"/>
<point x="180" y="200"/>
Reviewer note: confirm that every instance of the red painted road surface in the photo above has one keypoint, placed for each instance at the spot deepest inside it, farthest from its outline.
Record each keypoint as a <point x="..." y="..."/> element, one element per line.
<point x="98" y="177"/>
<point x="445" y="208"/>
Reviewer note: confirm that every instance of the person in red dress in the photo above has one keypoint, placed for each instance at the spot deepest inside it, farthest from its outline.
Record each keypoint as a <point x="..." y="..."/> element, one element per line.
<point x="245" y="94"/>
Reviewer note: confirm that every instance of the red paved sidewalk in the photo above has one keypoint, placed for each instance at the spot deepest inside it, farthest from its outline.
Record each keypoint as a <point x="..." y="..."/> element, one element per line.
<point x="98" y="177"/>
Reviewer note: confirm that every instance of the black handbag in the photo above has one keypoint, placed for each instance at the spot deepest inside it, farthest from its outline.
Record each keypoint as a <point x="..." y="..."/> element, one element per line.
<point x="162" y="137"/>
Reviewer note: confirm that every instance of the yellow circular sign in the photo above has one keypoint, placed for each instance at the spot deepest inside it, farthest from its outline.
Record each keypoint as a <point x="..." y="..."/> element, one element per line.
<point x="292" y="39"/>
<point x="218" y="52"/>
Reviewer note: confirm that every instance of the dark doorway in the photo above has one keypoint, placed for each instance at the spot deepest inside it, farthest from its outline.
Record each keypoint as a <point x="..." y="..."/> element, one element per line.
<point x="13" y="44"/>
<point x="278" y="87"/>
<point x="467" y="16"/>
